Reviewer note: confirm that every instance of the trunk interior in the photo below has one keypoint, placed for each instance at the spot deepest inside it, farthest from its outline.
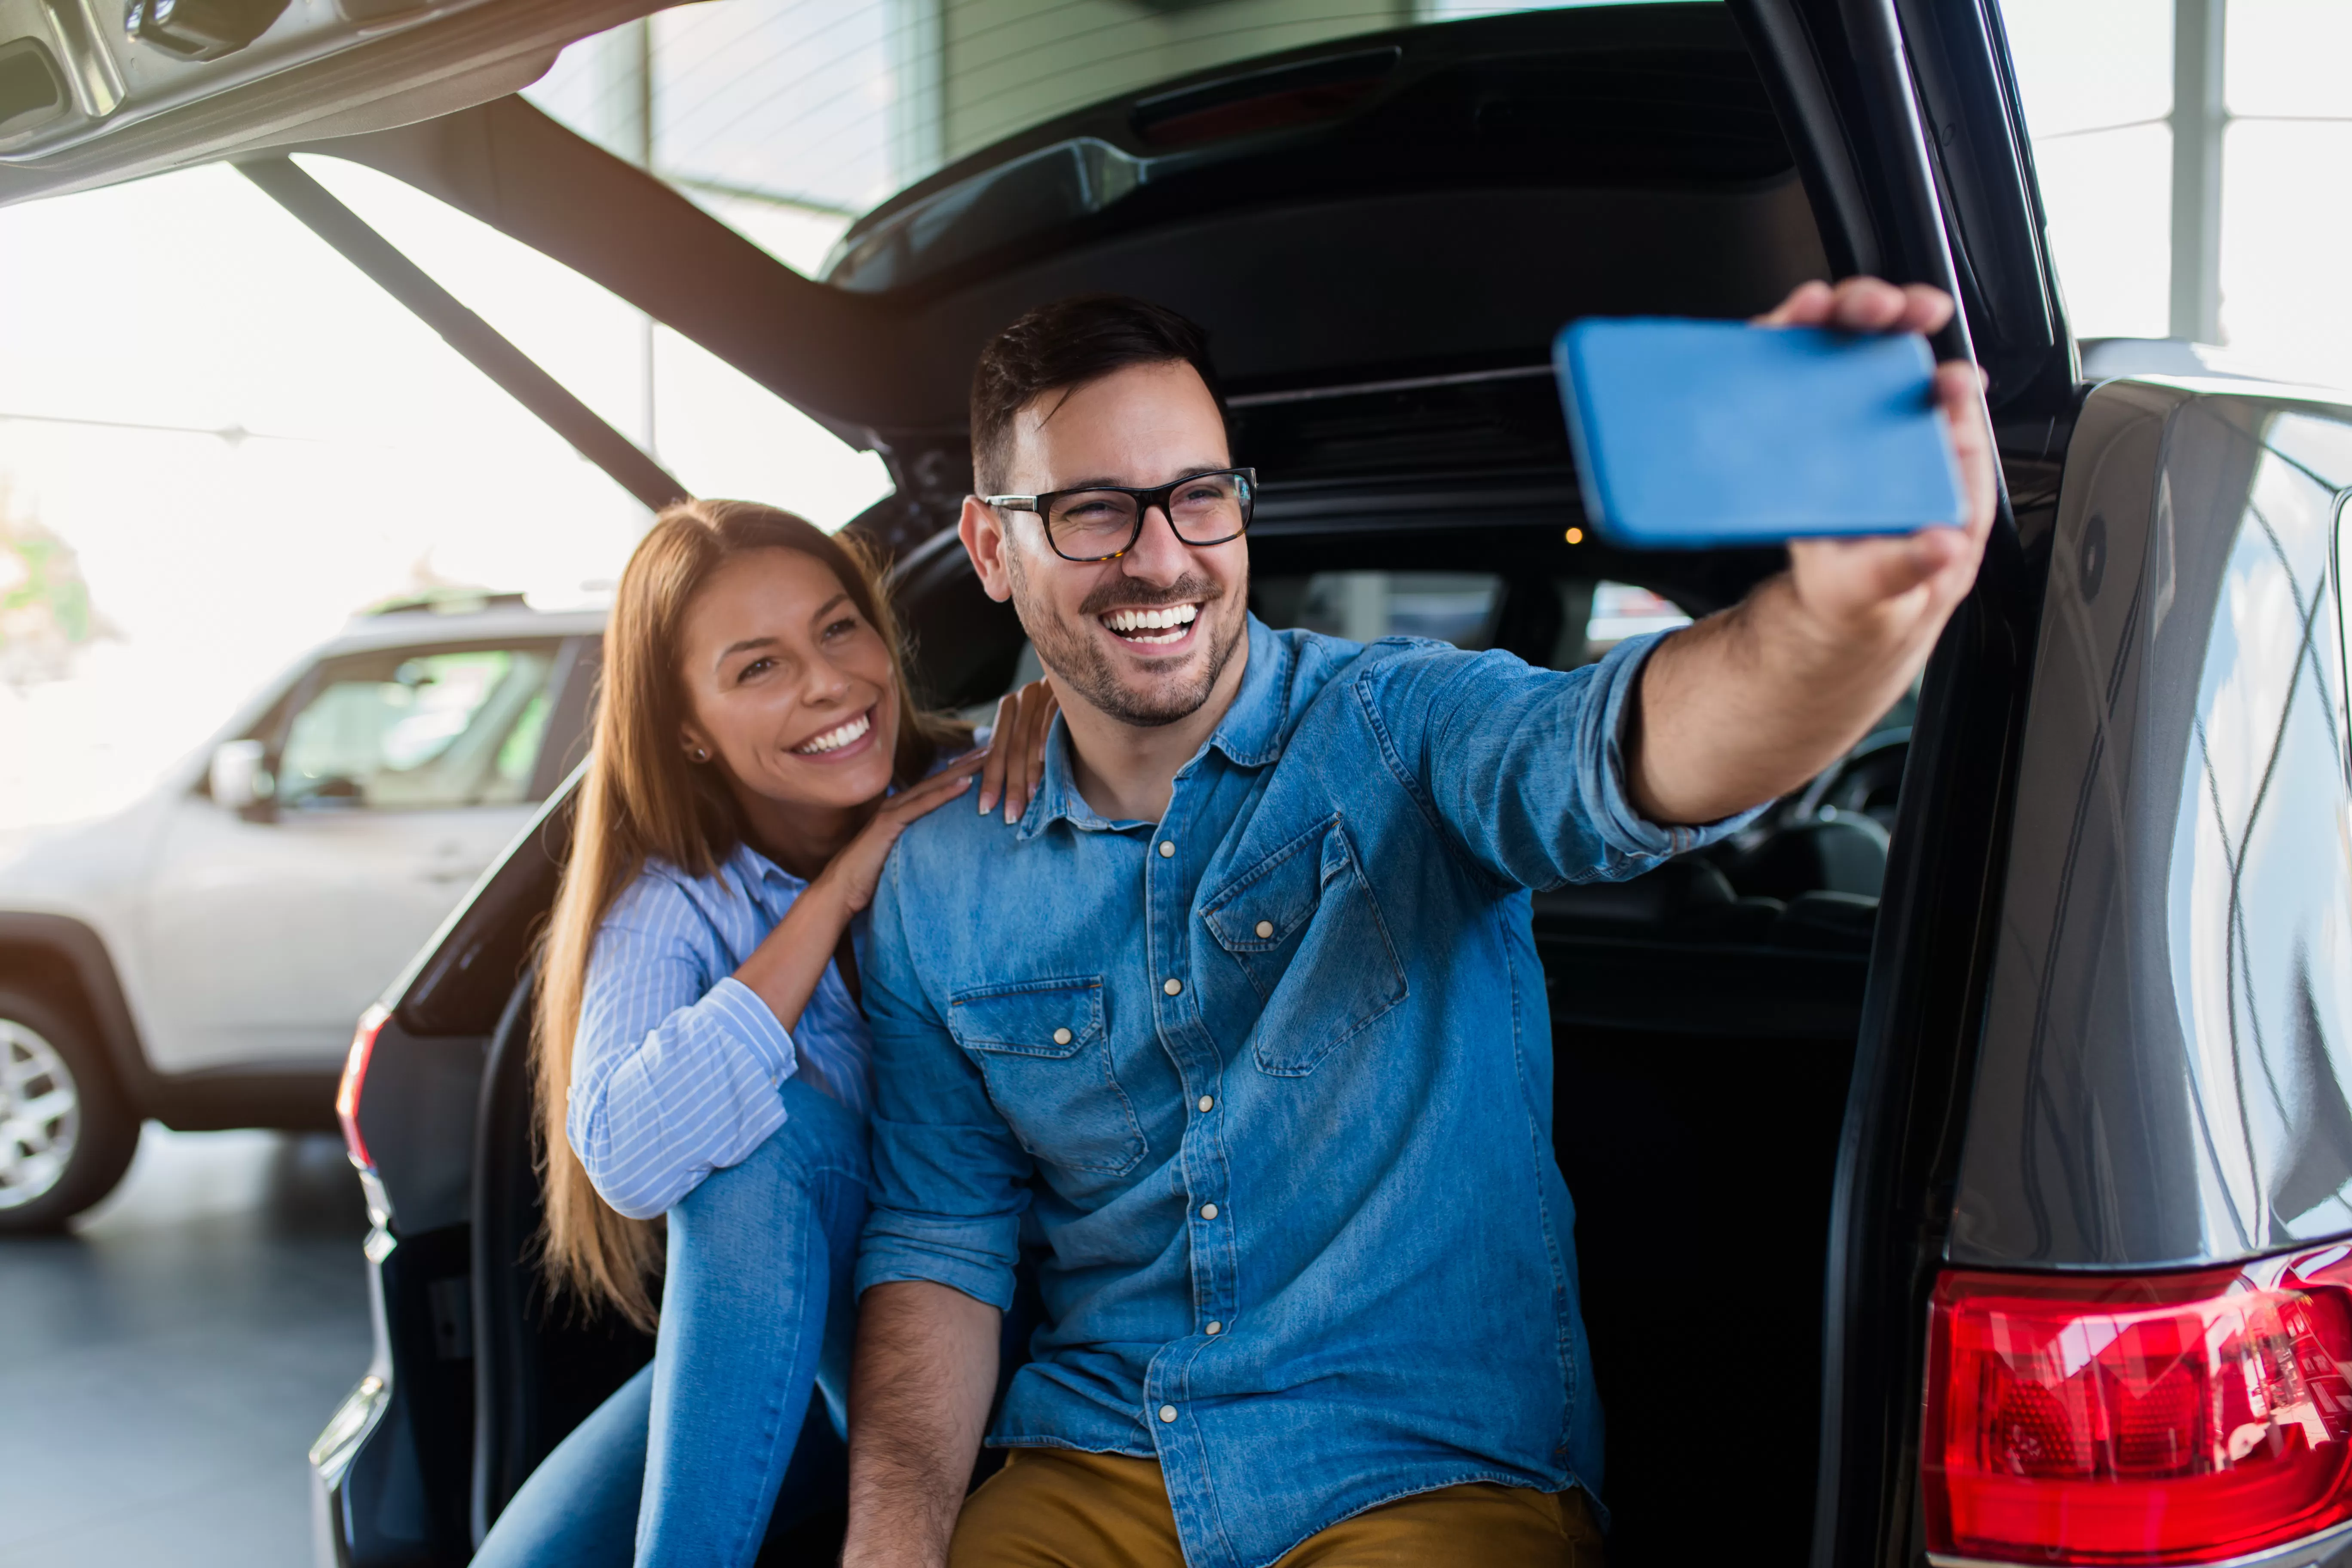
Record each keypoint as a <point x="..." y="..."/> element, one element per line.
<point x="1703" y="1019"/>
<point x="1417" y="479"/>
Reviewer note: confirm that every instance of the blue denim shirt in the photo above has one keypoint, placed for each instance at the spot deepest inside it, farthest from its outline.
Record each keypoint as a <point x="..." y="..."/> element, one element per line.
<point x="1273" y="1080"/>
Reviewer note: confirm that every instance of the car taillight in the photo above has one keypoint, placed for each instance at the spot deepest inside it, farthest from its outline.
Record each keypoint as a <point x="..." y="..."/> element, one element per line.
<point x="2153" y="1419"/>
<point x="347" y="1093"/>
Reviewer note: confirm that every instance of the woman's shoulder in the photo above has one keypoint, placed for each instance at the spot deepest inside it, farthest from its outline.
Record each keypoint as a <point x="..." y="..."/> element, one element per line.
<point x="663" y="892"/>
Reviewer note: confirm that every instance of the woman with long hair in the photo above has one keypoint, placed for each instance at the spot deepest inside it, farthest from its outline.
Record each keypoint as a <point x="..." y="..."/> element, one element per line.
<point x="698" y="1053"/>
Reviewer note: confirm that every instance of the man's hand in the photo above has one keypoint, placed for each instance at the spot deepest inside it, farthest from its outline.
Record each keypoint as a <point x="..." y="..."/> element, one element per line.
<point x="1747" y="705"/>
<point x="919" y="1396"/>
<point x="1887" y="591"/>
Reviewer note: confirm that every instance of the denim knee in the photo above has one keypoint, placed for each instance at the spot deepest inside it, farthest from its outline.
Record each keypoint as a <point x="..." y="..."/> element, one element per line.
<point x="820" y="1139"/>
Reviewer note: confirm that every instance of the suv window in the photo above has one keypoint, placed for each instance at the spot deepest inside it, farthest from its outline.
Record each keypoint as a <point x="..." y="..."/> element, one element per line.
<point x="1472" y="610"/>
<point x="408" y="730"/>
<point x="1467" y="609"/>
<point x="1459" y="608"/>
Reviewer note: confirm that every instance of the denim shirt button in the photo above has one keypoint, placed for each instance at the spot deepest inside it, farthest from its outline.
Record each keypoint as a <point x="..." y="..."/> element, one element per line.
<point x="1174" y="986"/>
<point x="1208" y="1211"/>
<point x="1215" y="1327"/>
<point x="1167" y="848"/>
<point x="1208" y="1103"/>
<point x="1167" y="1413"/>
<point x="1061" y="1037"/>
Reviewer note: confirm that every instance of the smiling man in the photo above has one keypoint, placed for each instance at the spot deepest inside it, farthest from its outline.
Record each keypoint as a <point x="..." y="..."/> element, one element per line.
<point x="1241" y="1018"/>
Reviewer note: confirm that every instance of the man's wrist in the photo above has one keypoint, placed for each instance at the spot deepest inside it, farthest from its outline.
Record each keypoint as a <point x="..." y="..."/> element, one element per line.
<point x="903" y="1532"/>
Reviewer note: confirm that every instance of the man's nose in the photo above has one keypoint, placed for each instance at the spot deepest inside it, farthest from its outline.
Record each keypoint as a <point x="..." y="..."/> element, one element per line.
<point x="1157" y="555"/>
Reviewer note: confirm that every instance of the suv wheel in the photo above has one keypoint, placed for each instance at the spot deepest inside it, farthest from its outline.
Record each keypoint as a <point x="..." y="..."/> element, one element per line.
<point x="66" y="1135"/>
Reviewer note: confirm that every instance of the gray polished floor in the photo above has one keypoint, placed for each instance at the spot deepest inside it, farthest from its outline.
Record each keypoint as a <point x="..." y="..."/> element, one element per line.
<point x="169" y="1363"/>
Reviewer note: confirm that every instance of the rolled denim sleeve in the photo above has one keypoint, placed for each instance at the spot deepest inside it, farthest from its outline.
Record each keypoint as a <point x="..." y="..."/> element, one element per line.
<point x="674" y="1072"/>
<point x="949" y="1176"/>
<point x="1525" y="767"/>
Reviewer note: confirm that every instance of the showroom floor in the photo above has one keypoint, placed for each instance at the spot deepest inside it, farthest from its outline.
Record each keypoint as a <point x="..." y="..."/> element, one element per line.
<point x="169" y="1361"/>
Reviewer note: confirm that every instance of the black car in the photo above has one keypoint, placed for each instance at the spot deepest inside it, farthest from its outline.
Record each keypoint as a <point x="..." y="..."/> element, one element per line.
<point x="1963" y="1158"/>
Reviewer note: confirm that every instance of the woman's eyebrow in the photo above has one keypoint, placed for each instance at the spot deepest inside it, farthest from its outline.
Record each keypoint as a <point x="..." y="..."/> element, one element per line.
<point x="746" y="646"/>
<point x="830" y="605"/>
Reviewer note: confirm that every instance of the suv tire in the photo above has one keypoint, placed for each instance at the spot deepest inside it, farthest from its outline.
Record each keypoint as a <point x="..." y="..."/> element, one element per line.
<point x="67" y="1134"/>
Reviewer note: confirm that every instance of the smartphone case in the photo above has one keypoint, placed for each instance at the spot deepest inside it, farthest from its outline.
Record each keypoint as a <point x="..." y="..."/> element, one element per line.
<point x="1692" y="434"/>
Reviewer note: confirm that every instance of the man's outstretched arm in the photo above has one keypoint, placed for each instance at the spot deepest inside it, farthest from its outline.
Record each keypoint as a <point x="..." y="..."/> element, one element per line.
<point x="918" y="1400"/>
<point x="1747" y="705"/>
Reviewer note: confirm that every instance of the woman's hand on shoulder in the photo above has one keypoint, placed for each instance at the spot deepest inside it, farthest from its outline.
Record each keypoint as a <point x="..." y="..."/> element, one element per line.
<point x="855" y="871"/>
<point x="1016" y="750"/>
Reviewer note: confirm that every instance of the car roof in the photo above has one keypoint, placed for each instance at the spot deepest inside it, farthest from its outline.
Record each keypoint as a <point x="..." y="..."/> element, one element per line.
<point x="425" y="628"/>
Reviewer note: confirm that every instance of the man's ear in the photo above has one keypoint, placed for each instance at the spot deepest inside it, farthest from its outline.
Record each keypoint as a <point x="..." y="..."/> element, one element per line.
<point x="985" y="540"/>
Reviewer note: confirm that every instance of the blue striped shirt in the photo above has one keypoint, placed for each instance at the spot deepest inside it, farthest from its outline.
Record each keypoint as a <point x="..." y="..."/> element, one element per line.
<point x="677" y="1064"/>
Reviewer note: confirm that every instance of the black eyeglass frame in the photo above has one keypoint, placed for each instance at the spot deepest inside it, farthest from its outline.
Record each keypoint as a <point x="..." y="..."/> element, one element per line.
<point x="1159" y="495"/>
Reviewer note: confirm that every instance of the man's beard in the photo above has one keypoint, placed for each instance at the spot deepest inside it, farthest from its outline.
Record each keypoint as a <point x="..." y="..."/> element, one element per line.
<point x="1084" y="665"/>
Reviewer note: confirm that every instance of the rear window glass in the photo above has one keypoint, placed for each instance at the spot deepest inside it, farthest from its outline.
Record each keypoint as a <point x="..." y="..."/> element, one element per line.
<point x="785" y="118"/>
<point x="1620" y="610"/>
<point x="1459" y="608"/>
<point x="1559" y="623"/>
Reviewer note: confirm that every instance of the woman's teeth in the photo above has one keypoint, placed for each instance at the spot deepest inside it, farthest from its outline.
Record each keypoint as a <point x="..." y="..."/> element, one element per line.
<point x="1161" y="625"/>
<point x="835" y="739"/>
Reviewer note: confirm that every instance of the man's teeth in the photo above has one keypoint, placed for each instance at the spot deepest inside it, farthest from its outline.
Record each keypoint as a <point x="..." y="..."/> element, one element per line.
<point x="834" y="739"/>
<point x="1138" y="626"/>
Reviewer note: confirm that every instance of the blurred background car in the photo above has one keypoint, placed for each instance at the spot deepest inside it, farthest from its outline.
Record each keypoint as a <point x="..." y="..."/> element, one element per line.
<point x="198" y="958"/>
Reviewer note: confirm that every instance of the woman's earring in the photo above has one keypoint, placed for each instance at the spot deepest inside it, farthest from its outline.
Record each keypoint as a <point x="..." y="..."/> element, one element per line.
<point x="699" y="755"/>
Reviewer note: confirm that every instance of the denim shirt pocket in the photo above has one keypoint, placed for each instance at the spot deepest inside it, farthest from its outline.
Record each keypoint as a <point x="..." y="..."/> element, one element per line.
<point x="1043" y="1049"/>
<point x="1306" y="909"/>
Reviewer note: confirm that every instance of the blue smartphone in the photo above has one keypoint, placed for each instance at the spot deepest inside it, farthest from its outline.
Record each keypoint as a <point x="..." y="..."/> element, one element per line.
<point x="1695" y="434"/>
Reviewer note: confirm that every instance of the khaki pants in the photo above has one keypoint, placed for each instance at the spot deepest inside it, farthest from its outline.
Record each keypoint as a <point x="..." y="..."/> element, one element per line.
<point x="1052" y="1508"/>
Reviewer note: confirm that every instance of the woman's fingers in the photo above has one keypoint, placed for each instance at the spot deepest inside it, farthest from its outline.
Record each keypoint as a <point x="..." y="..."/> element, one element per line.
<point x="928" y="796"/>
<point x="991" y="777"/>
<point x="953" y="779"/>
<point x="1025" y="769"/>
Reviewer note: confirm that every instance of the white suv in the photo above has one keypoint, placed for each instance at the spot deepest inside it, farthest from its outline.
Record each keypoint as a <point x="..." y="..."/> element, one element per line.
<point x="199" y="957"/>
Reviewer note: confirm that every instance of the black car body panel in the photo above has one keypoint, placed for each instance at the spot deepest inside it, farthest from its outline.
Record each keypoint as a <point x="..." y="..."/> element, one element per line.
<point x="2167" y="1045"/>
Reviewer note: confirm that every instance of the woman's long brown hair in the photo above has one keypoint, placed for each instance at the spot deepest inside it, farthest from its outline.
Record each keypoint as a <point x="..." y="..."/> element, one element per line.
<point x="641" y="801"/>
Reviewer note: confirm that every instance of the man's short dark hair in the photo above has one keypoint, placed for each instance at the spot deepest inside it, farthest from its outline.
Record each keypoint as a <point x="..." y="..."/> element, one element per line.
<point x="1063" y="346"/>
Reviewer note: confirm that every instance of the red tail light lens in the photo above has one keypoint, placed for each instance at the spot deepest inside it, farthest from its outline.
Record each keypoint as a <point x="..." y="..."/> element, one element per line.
<point x="2164" y="1419"/>
<point x="347" y="1093"/>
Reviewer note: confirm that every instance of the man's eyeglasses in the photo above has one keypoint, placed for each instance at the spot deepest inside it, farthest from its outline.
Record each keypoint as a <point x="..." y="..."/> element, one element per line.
<point x="1103" y="523"/>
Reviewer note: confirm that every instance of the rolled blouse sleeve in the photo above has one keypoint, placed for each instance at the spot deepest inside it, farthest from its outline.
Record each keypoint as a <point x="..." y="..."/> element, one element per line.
<point x="677" y="1064"/>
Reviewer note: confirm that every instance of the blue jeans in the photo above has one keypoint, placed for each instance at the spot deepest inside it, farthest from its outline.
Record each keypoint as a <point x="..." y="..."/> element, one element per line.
<point x="685" y="1466"/>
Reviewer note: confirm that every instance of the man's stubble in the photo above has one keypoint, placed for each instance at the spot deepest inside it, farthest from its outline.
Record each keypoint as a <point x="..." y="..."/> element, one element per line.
<point x="1080" y="663"/>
